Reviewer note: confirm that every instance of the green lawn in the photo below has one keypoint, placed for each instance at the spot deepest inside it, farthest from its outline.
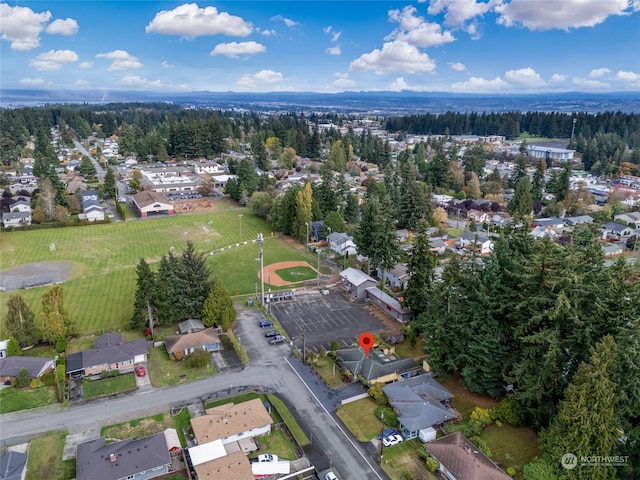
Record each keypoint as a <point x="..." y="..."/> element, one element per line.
<point x="182" y="421"/>
<point x="97" y="388"/>
<point x="45" y="458"/>
<point x="295" y="429"/>
<point x="100" y="296"/>
<point x="402" y="461"/>
<point x="242" y="353"/>
<point x="405" y="349"/>
<point x="14" y="399"/>
<point x="360" y="419"/>
<point x="329" y="372"/>
<point x="297" y="274"/>
<point x="454" y="232"/>
<point x="276" y="443"/>
<point x="139" y="428"/>
<point x="162" y="371"/>
<point x="511" y="446"/>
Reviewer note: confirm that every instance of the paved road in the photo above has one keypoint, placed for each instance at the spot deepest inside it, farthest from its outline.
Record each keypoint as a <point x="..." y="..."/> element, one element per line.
<point x="269" y="369"/>
<point x="100" y="171"/>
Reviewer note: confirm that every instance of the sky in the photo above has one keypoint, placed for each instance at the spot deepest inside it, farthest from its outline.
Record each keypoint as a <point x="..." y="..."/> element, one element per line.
<point x="458" y="46"/>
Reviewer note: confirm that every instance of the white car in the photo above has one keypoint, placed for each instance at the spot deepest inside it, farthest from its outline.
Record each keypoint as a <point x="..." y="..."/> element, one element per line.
<point x="266" y="457"/>
<point x="391" y="440"/>
<point x="330" y="476"/>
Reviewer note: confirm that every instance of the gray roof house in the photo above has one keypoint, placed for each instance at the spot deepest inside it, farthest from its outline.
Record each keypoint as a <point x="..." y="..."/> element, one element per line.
<point x="616" y="229"/>
<point x="110" y="354"/>
<point x="355" y="282"/>
<point x="191" y="325"/>
<point x="16" y="219"/>
<point x="376" y="367"/>
<point x="13" y="465"/>
<point x="36" y="366"/>
<point x="420" y="402"/>
<point x="140" y="459"/>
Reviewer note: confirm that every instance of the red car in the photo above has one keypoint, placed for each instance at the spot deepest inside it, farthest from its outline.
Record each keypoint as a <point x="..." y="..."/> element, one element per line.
<point x="140" y="371"/>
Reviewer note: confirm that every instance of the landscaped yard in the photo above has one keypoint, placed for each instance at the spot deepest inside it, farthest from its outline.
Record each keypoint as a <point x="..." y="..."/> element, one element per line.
<point x="463" y="400"/>
<point x="275" y="443"/>
<point x="14" y="399"/>
<point x="329" y="371"/>
<point x="511" y="446"/>
<point x="182" y="421"/>
<point x="139" y="428"/>
<point x="45" y="458"/>
<point x="405" y="350"/>
<point x="402" y="461"/>
<point x="162" y="371"/>
<point x="360" y="419"/>
<point x="454" y="232"/>
<point x="97" y="388"/>
<point x="295" y="429"/>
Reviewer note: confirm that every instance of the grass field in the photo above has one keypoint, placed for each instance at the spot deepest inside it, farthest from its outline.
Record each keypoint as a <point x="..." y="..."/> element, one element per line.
<point x="402" y="461"/>
<point x="297" y="274"/>
<point x="100" y="295"/>
<point x="45" y="458"/>
<point x="360" y="419"/>
<point x="276" y="443"/>
<point x="163" y="371"/>
<point x="107" y="386"/>
<point x="510" y="446"/>
<point x="139" y="428"/>
<point x="14" y="399"/>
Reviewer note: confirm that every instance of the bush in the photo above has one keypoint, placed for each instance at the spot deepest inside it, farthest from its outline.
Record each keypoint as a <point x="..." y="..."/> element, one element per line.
<point x="363" y="381"/>
<point x="431" y="464"/>
<point x="481" y="416"/>
<point x="510" y="411"/>
<point x="36" y="383"/>
<point x="48" y="379"/>
<point x="198" y="359"/>
<point x="23" y="378"/>
<point x="424" y="454"/>
<point x="390" y="417"/>
<point x="61" y="344"/>
<point x="511" y="471"/>
<point x="482" y="445"/>
<point x="539" y="470"/>
<point x="468" y="429"/>
<point x="335" y="346"/>
<point x="376" y="392"/>
<point x="13" y="348"/>
<point x="109" y="373"/>
<point x="498" y="423"/>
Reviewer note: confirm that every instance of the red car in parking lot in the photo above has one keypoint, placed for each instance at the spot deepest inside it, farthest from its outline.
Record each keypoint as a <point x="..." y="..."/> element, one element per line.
<point x="140" y="371"/>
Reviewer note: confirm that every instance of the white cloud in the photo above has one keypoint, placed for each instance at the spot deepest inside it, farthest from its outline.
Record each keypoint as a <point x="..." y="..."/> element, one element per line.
<point x="524" y="77"/>
<point x="22" y="26"/>
<point x="343" y="82"/>
<point x="287" y="21"/>
<point x="589" y="84"/>
<point x="166" y="64"/>
<point x="480" y="85"/>
<point x="558" y="77"/>
<point x="136" y="81"/>
<point x="558" y="14"/>
<point x="398" y="85"/>
<point x="458" y="11"/>
<point x="457" y="66"/>
<point x="86" y="65"/>
<point x="627" y="76"/>
<point x="265" y="32"/>
<point x="262" y="78"/>
<point x="122" y="60"/>
<point x="335" y="36"/>
<point x="415" y="31"/>
<point x="191" y="21"/>
<point x="598" y="72"/>
<point x="81" y="83"/>
<point x="472" y="30"/>
<point x="335" y="50"/>
<point x="395" y="57"/>
<point x="235" y="49"/>
<point x="53" y="60"/>
<point x="66" y="27"/>
<point x="32" y="82"/>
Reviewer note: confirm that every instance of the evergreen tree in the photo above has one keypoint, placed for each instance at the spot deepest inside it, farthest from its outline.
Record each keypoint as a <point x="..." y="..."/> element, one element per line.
<point x="166" y="298"/>
<point x="537" y="188"/>
<point x="20" y="321"/>
<point x="351" y="209"/>
<point x="54" y="321"/>
<point x="144" y="308"/>
<point x="304" y="205"/>
<point x="586" y="421"/>
<point x="192" y="282"/>
<point x="218" y="307"/>
<point x="13" y="348"/>
<point x="376" y="234"/>
<point x="421" y="266"/>
<point x="87" y="169"/>
<point x="521" y="205"/>
<point x="110" y="189"/>
<point x="414" y="205"/>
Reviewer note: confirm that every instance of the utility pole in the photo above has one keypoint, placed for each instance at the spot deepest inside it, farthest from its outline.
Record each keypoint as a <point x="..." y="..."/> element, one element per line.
<point x="260" y="242"/>
<point x="304" y="350"/>
<point x="318" y="268"/>
<point x="381" y="435"/>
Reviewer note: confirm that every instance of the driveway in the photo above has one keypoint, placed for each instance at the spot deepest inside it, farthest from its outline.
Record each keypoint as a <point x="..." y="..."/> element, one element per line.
<point x="143" y="383"/>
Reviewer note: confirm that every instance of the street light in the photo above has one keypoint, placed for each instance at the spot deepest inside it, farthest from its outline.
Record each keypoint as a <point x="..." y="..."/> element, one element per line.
<point x="307" y="224"/>
<point x="240" y="217"/>
<point x="260" y="240"/>
<point x="381" y="435"/>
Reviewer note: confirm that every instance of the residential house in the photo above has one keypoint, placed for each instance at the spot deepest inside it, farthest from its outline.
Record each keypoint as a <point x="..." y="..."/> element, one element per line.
<point x="355" y="282"/>
<point x="90" y="195"/>
<point x="220" y="181"/>
<point x="402" y="234"/>
<point x="579" y="220"/>
<point x="150" y="203"/>
<point x="3" y="348"/>
<point x="16" y="219"/>
<point x="110" y="353"/>
<point x="612" y="249"/>
<point x="377" y="367"/>
<point x="388" y="304"/>
<point x="476" y="242"/>
<point x="21" y="205"/>
<point x="234" y="466"/>
<point x="631" y="218"/>
<point x="552" y="222"/>
<point x="612" y="229"/>
<point x="13" y="465"/>
<point x="438" y="245"/>
<point x="459" y="459"/>
<point x="190" y="326"/>
<point x="92" y="210"/>
<point x="36" y="367"/>
<point x="208" y="166"/>
<point x="178" y="346"/>
<point x="341" y="243"/>
<point x="420" y="402"/>
<point x="397" y="277"/>
<point x="477" y="216"/>
<point x="540" y="232"/>
<point x="140" y="459"/>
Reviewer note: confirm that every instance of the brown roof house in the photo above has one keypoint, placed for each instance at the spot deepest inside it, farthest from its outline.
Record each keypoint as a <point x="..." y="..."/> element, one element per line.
<point x="224" y="436"/>
<point x="110" y="353"/>
<point x="460" y="459"/>
<point x="140" y="459"/>
<point x="147" y="202"/>
<point x="178" y="346"/>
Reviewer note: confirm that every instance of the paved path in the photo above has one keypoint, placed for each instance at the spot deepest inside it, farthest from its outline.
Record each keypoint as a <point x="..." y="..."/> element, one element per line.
<point x="269" y="369"/>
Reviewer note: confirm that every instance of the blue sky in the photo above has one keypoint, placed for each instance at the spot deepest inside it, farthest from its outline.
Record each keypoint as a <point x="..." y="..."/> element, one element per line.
<point x="462" y="46"/>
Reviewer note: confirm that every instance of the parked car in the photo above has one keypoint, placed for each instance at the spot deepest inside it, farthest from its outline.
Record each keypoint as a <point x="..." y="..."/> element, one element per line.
<point x="330" y="476"/>
<point x="387" y="433"/>
<point x="391" y="440"/>
<point x="271" y="333"/>
<point x="265" y="323"/>
<point x="267" y="457"/>
<point x="277" y="339"/>
<point x="140" y="371"/>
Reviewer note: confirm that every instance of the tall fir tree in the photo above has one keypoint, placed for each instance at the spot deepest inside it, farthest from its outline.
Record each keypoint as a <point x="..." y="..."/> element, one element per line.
<point x="144" y="305"/>
<point x="166" y="298"/>
<point x="192" y="282"/>
<point x="218" y="307"/>
<point x="421" y="268"/>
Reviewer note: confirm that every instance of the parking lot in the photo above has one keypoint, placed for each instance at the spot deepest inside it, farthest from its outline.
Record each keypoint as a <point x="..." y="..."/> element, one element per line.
<point x="325" y="319"/>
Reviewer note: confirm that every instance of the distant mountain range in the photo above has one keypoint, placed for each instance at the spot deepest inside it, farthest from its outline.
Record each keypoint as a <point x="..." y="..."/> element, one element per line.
<point x="380" y="103"/>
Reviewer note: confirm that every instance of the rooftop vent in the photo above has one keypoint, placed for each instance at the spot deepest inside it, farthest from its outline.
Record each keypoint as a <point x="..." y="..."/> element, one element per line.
<point x="113" y="457"/>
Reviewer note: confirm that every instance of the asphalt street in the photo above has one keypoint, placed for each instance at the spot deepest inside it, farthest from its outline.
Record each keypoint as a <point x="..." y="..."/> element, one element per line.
<point x="269" y="369"/>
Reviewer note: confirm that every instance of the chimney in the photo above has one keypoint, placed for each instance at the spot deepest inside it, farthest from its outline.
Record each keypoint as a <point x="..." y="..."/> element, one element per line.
<point x="113" y="458"/>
